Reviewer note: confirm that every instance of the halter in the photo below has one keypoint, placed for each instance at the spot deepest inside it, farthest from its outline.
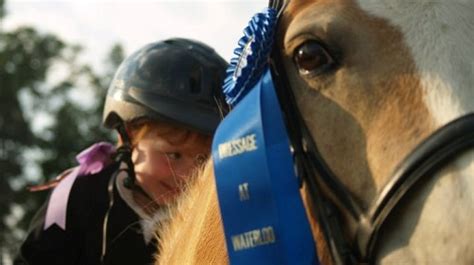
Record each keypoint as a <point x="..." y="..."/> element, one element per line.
<point x="331" y="199"/>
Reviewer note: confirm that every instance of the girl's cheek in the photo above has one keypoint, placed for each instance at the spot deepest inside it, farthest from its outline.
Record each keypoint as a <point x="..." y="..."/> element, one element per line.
<point x="161" y="168"/>
<point x="184" y="167"/>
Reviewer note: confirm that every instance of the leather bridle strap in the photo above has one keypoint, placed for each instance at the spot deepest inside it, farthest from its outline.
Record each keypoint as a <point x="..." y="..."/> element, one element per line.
<point x="311" y="168"/>
<point x="442" y="147"/>
<point x="305" y="151"/>
<point x="315" y="173"/>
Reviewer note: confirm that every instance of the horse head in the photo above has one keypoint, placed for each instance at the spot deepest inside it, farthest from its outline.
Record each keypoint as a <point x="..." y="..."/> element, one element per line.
<point x="372" y="80"/>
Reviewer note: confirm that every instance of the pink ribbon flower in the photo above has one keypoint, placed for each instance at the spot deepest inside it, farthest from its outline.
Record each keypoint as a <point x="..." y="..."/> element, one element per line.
<point x="91" y="161"/>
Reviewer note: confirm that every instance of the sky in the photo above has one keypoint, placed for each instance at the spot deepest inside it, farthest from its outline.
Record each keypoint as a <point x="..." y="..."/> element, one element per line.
<point x="98" y="24"/>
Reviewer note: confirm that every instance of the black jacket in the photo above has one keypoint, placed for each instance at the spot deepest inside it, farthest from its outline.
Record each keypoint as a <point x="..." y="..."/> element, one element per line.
<point x="81" y="243"/>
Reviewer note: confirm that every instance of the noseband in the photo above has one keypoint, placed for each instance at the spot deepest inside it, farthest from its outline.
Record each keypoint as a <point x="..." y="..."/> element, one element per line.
<point x="330" y="198"/>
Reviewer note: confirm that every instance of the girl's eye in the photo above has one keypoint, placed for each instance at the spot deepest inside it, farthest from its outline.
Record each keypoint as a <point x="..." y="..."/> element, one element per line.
<point x="201" y="158"/>
<point x="173" y="155"/>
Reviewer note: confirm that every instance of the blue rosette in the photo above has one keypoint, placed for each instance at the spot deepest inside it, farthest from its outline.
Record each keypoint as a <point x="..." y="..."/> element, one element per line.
<point x="262" y="212"/>
<point x="251" y="56"/>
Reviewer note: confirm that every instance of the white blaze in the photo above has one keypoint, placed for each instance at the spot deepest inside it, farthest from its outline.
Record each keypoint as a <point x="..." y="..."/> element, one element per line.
<point x="440" y="36"/>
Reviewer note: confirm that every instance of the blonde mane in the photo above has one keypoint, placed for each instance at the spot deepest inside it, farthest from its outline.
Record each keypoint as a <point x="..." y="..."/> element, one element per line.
<point x="194" y="234"/>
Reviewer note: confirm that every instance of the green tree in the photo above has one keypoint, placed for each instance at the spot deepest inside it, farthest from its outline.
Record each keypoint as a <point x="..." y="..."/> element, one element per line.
<point x="76" y="127"/>
<point x="25" y="57"/>
<point x="2" y="9"/>
<point x="27" y="61"/>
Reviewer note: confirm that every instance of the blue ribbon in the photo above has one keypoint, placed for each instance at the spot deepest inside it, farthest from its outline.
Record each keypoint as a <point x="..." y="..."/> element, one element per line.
<point x="264" y="218"/>
<point x="262" y="211"/>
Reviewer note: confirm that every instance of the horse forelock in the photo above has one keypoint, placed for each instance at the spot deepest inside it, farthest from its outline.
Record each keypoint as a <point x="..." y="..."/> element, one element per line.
<point x="194" y="234"/>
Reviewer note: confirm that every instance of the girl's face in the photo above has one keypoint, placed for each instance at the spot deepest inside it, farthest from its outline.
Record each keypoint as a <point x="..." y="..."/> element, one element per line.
<point x="164" y="160"/>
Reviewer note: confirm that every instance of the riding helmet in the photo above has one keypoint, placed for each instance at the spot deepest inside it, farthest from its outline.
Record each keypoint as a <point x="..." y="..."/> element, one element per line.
<point x="177" y="81"/>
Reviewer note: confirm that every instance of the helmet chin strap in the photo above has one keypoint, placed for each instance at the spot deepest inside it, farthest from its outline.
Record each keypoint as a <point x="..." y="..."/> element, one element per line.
<point x="124" y="154"/>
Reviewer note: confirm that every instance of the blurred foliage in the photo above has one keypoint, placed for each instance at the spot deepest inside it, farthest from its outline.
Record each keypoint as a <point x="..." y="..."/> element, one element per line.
<point x="2" y="9"/>
<point x="41" y="76"/>
<point x="25" y="57"/>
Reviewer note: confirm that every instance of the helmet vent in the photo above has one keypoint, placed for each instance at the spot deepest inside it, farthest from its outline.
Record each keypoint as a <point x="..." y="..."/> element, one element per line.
<point x="195" y="83"/>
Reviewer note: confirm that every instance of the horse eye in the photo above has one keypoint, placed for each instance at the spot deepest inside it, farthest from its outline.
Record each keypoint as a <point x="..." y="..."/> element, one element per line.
<point x="312" y="58"/>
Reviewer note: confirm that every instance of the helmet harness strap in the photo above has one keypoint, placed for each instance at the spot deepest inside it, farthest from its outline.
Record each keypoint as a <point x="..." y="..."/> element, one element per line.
<point x="124" y="154"/>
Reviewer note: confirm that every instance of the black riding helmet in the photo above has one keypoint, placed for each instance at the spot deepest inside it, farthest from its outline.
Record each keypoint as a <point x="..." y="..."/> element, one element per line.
<point x="177" y="81"/>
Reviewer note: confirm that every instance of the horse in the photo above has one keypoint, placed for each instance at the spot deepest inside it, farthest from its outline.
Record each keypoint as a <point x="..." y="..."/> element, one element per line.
<point x="372" y="81"/>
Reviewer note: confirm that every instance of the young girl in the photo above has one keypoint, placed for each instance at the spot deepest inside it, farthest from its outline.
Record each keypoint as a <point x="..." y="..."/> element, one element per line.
<point x="165" y="103"/>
